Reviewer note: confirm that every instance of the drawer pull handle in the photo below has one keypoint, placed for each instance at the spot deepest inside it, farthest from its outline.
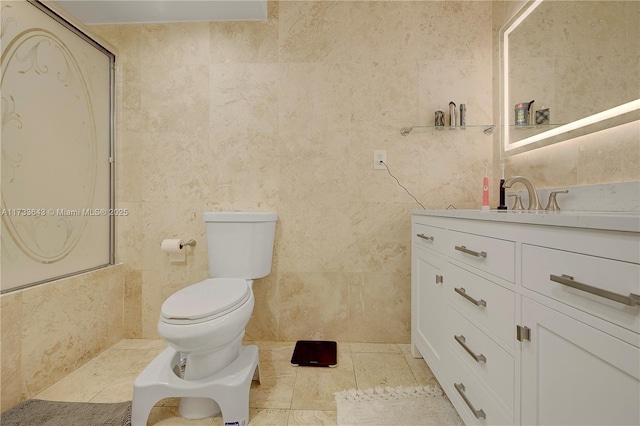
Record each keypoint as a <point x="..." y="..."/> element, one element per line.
<point x="460" y="339"/>
<point x="478" y="413"/>
<point x="631" y="299"/>
<point x="471" y="252"/>
<point x="424" y="237"/>
<point x="462" y="292"/>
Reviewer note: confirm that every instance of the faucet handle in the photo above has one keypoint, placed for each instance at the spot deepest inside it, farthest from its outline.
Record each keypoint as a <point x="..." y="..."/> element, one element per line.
<point x="552" y="205"/>
<point x="517" y="205"/>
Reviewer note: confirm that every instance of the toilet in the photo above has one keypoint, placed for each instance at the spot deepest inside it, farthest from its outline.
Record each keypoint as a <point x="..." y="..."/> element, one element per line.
<point x="205" y="363"/>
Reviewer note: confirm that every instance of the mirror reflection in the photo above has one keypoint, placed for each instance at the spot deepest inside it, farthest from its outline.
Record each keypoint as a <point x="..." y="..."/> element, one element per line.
<point x="568" y="68"/>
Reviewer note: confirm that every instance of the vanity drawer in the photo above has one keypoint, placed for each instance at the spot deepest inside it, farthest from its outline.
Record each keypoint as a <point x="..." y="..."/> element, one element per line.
<point x="492" y="255"/>
<point x="487" y="304"/>
<point x="472" y="400"/>
<point x="429" y="237"/>
<point x="543" y="269"/>
<point x="488" y="361"/>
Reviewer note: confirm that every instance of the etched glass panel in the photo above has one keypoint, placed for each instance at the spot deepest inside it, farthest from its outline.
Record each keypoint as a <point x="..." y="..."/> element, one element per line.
<point x="56" y="146"/>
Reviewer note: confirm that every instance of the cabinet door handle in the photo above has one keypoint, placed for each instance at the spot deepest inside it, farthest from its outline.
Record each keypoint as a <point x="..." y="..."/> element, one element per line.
<point x="424" y="237"/>
<point x="478" y="413"/>
<point x="631" y="299"/>
<point x="471" y="252"/>
<point x="460" y="339"/>
<point x="462" y="292"/>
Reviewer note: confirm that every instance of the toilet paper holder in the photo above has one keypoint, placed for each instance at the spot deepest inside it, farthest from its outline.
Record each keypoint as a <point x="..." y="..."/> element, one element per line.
<point x="191" y="243"/>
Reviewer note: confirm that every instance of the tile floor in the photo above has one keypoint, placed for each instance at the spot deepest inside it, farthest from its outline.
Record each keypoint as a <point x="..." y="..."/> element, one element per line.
<point x="287" y="395"/>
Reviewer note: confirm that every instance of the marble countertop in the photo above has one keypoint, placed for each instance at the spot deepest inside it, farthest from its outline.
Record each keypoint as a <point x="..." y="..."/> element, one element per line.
<point x="613" y="221"/>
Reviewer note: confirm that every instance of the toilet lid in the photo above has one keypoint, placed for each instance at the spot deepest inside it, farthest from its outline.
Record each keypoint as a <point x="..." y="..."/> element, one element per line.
<point x="209" y="298"/>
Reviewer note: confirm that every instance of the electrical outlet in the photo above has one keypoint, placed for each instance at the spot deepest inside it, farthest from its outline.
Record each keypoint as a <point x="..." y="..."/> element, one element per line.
<point x="379" y="157"/>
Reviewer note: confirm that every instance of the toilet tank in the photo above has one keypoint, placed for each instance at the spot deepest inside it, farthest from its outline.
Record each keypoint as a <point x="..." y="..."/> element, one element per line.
<point x="240" y="244"/>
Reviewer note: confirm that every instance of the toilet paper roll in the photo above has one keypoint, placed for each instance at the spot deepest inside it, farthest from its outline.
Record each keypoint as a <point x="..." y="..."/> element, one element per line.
<point x="174" y="248"/>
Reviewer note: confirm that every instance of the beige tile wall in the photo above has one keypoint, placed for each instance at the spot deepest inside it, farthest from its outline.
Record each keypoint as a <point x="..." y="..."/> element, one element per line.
<point x="50" y="330"/>
<point x="284" y="115"/>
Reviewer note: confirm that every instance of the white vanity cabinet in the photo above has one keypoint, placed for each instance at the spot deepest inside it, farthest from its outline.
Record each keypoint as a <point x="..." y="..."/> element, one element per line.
<point x="581" y="363"/>
<point x="427" y="292"/>
<point x="535" y="321"/>
<point x="575" y="374"/>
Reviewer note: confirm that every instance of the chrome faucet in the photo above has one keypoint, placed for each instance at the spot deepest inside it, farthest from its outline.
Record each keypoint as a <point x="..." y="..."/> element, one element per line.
<point x="534" y="203"/>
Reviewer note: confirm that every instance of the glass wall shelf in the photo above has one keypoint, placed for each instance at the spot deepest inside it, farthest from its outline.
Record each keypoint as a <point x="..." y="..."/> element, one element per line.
<point x="487" y="129"/>
<point x="533" y="126"/>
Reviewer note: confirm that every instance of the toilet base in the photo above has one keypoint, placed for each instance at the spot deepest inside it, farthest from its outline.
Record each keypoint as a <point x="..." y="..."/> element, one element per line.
<point x="229" y="387"/>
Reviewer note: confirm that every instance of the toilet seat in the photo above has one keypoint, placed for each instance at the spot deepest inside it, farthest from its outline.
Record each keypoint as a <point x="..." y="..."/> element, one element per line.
<point x="205" y="301"/>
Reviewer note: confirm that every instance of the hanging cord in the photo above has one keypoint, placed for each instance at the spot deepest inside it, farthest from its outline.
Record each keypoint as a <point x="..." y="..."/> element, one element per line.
<point x="401" y="186"/>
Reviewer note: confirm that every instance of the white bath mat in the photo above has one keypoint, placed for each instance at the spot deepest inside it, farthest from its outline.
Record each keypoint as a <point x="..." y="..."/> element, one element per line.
<point x="422" y="405"/>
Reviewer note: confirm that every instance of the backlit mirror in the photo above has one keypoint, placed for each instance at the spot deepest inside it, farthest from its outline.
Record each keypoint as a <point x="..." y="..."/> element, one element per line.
<point x="578" y="61"/>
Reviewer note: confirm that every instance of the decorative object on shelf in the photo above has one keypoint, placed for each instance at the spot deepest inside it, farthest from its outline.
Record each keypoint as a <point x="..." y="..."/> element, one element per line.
<point x="542" y="116"/>
<point x="522" y="111"/>
<point x="463" y="115"/>
<point x="452" y="114"/>
<point x="439" y="120"/>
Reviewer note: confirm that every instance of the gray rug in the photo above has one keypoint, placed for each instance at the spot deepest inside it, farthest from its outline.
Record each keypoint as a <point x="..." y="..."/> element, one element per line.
<point x="37" y="412"/>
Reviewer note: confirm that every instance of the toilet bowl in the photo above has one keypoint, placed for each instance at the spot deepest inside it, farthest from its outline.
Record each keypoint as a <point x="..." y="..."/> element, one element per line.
<point x="204" y="324"/>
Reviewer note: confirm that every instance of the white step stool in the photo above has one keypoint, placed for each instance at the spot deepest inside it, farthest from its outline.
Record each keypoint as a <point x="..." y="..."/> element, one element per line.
<point x="228" y="387"/>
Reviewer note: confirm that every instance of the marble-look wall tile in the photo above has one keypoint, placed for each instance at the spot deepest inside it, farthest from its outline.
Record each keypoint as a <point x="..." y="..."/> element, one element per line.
<point x="52" y="329"/>
<point x="129" y="235"/>
<point x="177" y="90"/>
<point x="315" y="98"/>
<point x="265" y="319"/>
<point x="314" y="31"/>
<point x="315" y="237"/>
<point x="380" y="238"/>
<point x="453" y="168"/>
<point x="383" y="94"/>
<point x="380" y="307"/>
<point x="612" y="156"/>
<point x="129" y="156"/>
<point x="313" y="305"/>
<point x="242" y="168"/>
<point x="175" y="162"/>
<point x="66" y="323"/>
<point x="186" y="43"/>
<point x="133" y="304"/>
<point x="11" y="372"/>
<point x="284" y="115"/>
<point x="313" y="168"/>
<point x="246" y="41"/>
<point x="243" y="97"/>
